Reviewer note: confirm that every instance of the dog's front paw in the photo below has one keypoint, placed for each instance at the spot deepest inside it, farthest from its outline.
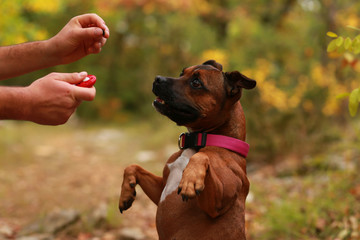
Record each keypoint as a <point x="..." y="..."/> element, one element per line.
<point x="128" y="193"/>
<point x="193" y="180"/>
<point x="127" y="197"/>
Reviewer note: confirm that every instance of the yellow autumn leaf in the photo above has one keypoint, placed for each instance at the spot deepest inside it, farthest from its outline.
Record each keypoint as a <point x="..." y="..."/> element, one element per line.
<point x="332" y="34"/>
<point x="348" y="43"/>
<point x="332" y="46"/>
<point x="339" y="41"/>
<point x="216" y="54"/>
<point x="43" y="6"/>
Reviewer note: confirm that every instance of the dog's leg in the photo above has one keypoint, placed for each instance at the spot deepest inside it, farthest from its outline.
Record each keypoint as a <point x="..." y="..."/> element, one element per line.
<point x="151" y="184"/>
<point x="193" y="179"/>
<point x="215" y="186"/>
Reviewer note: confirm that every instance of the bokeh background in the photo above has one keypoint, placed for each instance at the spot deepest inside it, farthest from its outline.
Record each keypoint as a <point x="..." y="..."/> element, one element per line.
<point x="304" y="158"/>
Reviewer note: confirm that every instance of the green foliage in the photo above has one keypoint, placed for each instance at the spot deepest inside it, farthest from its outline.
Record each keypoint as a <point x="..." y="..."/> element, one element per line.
<point x="340" y="45"/>
<point x="303" y="207"/>
<point x="294" y="110"/>
<point x="354" y="99"/>
<point x="279" y="44"/>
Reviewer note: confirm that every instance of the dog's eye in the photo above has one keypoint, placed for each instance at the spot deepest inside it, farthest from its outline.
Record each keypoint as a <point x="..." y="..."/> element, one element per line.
<point x="196" y="83"/>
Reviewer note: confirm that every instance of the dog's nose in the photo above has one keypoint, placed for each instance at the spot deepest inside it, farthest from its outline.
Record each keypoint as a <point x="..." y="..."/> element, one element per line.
<point x="160" y="79"/>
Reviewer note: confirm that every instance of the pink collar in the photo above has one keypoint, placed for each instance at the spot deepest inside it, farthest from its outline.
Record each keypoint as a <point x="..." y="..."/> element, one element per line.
<point x="199" y="140"/>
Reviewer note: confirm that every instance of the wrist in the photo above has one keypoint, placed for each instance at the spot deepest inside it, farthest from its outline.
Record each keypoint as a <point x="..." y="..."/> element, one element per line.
<point x="26" y="102"/>
<point x="14" y="103"/>
<point x="50" y="53"/>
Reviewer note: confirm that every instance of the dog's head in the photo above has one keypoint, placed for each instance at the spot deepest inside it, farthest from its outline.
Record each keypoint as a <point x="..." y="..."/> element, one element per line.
<point x="201" y="93"/>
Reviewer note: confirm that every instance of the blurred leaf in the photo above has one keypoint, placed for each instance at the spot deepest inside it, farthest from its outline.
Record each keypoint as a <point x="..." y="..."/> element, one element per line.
<point x="343" y="234"/>
<point x="348" y="43"/>
<point x="339" y="41"/>
<point x="41" y="6"/>
<point x="342" y="96"/>
<point x="357" y="49"/>
<point x="332" y="46"/>
<point x="354" y="28"/>
<point x="341" y="49"/>
<point x="356" y="45"/>
<point x="331" y="34"/>
<point x="354" y="101"/>
<point x="349" y="57"/>
<point x="355" y="41"/>
<point x="355" y="191"/>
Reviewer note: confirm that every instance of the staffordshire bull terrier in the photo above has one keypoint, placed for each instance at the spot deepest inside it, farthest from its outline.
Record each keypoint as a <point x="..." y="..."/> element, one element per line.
<point x="202" y="192"/>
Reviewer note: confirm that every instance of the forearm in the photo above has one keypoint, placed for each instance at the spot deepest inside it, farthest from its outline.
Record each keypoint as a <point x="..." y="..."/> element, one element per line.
<point x="13" y="103"/>
<point x="26" y="57"/>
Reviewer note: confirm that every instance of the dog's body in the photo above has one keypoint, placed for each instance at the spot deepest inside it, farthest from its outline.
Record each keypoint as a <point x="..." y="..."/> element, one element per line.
<point x="211" y="180"/>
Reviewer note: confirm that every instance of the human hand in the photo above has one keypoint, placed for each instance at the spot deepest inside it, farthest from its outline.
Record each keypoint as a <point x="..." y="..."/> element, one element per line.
<point x="81" y="36"/>
<point x="51" y="100"/>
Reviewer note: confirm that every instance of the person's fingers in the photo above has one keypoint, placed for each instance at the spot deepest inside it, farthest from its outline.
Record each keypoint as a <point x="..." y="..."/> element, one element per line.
<point x="89" y="19"/>
<point x="94" y="38"/>
<point x="92" y="30"/>
<point x="92" y="21"/>
<point x="103" y="41"/>
<point x="72" y="78"/>
<point x="84" y="94"/>
<point x="90" y="33"/>
<point x="95" y="48"/>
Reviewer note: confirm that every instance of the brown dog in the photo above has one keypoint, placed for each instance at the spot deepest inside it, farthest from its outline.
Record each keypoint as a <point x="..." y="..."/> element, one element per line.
<point x="210" y="177"/>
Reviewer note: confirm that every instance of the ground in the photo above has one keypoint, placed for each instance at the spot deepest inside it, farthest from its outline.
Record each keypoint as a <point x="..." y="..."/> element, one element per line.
<point x="76" y="166"/>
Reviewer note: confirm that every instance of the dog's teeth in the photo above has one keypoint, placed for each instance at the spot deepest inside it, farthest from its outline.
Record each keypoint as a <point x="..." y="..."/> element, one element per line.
<point x="159" y="100"/>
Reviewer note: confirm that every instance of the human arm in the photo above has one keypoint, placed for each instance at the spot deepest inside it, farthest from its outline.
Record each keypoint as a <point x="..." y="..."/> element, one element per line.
<point x="81" y="36"/>
<point x="50" y="100"/>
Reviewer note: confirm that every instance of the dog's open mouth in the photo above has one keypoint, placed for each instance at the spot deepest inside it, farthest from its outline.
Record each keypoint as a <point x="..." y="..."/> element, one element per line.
<point x="180" y="113"/>
<point x="159" y="101"/>
<point x="160" y="105"/>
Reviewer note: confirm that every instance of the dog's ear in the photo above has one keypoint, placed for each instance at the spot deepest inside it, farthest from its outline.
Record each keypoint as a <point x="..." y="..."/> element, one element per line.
<point x="235" y="81"/>
<point x="214" y="64"/>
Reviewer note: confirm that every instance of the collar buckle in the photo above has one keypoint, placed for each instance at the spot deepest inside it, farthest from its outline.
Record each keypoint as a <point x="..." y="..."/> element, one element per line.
<point x="181" y="141"/>
<point x="195" y="140"/>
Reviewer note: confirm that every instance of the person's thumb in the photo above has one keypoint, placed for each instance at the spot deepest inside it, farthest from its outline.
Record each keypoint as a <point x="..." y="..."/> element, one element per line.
<point x="72" y="78"/>
<point x="91" y="33"/>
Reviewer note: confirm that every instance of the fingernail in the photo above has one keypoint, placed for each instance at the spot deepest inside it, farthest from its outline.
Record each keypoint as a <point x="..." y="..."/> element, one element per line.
<point x="82" y="74"/>
<point x="98" y="31"/>
<point x="105" y="30"/>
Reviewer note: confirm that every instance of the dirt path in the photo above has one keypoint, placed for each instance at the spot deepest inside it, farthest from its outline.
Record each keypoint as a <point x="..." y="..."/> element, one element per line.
<point x="46" y="169"/>
<point x="74" y="167"/>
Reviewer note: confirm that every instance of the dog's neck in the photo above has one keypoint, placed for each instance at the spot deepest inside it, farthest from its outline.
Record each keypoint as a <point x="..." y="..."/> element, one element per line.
<point x="233" y="126"/>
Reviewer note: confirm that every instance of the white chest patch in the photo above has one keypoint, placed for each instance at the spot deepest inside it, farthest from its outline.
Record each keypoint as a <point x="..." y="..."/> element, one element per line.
<point x="176" y="169"/>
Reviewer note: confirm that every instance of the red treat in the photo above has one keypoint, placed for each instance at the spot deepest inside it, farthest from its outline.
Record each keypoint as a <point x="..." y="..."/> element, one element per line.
<point x="88" y="82"/>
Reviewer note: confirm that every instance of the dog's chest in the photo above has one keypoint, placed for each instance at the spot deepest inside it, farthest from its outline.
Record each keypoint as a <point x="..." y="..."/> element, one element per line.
<point x="176" y="169"/>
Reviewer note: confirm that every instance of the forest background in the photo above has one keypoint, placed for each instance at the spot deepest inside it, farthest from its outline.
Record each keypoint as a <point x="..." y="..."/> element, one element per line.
<point x="297" y="125"/>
